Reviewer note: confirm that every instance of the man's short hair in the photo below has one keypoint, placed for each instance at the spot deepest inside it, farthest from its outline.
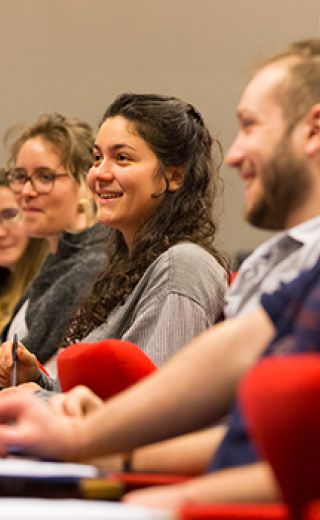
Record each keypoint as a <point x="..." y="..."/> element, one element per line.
<point x="301" y="90"/>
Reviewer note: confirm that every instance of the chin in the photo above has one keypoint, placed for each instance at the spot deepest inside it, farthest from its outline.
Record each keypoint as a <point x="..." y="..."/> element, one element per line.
<point x="102" y="219"/>
<point x="33" y="227"/>
<point x="9" y="262"/>
<point x="263" y="218"/>
<point x="106" y="219"/>
<point x="37" y="233"/>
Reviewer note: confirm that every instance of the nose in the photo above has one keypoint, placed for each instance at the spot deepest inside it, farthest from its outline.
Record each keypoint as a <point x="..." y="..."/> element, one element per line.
<point x="28" y="189"/>
<point x="101" y="173"/>
<point x="3" y="230"/>
<point x="235" y="155"/>
<point x="104" y="169"/>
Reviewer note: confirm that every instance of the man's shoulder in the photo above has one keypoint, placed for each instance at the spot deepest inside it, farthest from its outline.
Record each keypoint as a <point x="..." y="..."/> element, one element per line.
<point x="280" y="260"/>
<point x="307" y="282"/>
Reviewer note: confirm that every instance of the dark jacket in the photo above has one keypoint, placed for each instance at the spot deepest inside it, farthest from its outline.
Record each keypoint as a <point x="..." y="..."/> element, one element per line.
<point x="65" y="278"/>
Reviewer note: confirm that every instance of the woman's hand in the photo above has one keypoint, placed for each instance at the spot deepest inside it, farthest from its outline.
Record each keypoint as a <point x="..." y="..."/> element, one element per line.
<point x="77" y="402"/>
<point x="27" y="365"/>
<point x="28" y="423"/>
<point x="29" y="388"/>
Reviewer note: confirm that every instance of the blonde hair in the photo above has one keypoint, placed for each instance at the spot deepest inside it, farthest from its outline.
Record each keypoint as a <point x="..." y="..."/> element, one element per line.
<point x="16" y="282"/>
<point x="72" y="138"/>
<point x="73" y="141"/>
<point x="13" y="284"/>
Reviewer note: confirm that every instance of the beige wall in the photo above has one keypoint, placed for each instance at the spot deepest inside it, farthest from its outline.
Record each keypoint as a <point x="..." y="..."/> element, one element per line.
<point x="74" y="56"/>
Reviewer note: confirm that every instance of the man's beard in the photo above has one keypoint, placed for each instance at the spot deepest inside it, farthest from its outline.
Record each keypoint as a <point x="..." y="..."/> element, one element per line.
<point x="286" y="185"/>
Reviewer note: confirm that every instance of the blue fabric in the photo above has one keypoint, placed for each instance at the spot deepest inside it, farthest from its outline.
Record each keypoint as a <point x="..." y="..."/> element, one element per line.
<point x="294" y="310"/>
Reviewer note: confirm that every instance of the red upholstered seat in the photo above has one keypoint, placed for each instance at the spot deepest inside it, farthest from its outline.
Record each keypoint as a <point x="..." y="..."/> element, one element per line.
<point x="106" y="367"/>
<point x="280" y="399"/>
<point x="312" y="511"/>
<point x="234" y="512"/>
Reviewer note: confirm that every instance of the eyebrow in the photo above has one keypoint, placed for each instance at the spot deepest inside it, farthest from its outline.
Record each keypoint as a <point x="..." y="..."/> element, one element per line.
<point x="38" y="168"/>
<point x="114" y="147"/>
<point x="245" y="112"/>
<point x="240" y="112"/>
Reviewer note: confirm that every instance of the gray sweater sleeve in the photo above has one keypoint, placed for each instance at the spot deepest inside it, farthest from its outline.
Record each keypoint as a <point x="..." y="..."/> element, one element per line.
<point x="163" y="328"/>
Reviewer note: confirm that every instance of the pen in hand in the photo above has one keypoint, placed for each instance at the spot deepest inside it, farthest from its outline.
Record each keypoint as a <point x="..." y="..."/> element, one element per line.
<point x="15" y="360"/>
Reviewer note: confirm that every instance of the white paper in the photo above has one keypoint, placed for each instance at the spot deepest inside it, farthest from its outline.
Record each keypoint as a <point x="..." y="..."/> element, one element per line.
<point x="19" y="467"/>
<point x="38" y="508"/>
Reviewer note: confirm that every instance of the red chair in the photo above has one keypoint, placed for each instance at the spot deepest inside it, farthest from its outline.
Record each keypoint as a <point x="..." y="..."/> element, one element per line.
<point x="245" y="512"/>
<point x="234" y="512"/>
<point x="280" y="400"/>
<point x="312" y="511"/>
<point x="106" y="367"/>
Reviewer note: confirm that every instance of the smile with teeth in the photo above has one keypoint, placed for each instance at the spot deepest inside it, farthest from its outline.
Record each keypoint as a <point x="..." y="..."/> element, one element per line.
<point x="109" y="195"/>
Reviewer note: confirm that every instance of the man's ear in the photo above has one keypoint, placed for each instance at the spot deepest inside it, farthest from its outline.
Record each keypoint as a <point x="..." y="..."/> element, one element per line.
<point x="313" y="121"/>
<point x="175" y="175"/>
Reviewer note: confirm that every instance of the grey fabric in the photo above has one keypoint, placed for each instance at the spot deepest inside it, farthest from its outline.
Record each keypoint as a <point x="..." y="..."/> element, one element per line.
<point x="278" y="260"/>
<point x="180" y="295"/>
<point x="65" y="278"/>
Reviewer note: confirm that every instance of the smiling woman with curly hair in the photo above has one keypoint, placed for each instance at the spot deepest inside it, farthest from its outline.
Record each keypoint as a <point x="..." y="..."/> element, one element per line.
<point x="155" y="183"/>
<point x="161" y="208"/>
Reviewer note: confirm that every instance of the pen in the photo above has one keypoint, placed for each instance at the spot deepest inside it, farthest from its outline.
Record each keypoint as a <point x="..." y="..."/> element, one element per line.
<point x="15" y="360"/>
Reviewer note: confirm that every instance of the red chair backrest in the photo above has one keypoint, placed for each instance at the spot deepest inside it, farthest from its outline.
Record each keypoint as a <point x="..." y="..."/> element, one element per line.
<point x="280" y="399"/>
<point x="106" y="367"/>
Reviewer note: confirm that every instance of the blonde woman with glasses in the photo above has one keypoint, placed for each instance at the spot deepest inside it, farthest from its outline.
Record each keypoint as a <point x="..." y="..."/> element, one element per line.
<point x="20" y="257"/>
<point x="47" y="167"/>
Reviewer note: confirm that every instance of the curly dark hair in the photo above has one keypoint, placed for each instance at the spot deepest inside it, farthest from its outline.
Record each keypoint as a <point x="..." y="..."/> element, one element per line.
<point x="177" y="134"/>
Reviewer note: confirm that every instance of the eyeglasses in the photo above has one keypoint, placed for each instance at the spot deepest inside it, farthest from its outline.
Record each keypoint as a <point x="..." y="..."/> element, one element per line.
<point x="42" y="180"/>
<point x="9" y="216"/>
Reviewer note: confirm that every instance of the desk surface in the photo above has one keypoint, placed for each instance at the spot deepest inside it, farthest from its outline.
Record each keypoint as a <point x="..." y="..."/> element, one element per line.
<point x="70" y="509"/>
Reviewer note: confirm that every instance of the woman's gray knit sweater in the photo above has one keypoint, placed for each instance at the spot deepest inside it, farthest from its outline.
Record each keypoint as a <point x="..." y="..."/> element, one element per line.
<point x="65" y="278"/>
